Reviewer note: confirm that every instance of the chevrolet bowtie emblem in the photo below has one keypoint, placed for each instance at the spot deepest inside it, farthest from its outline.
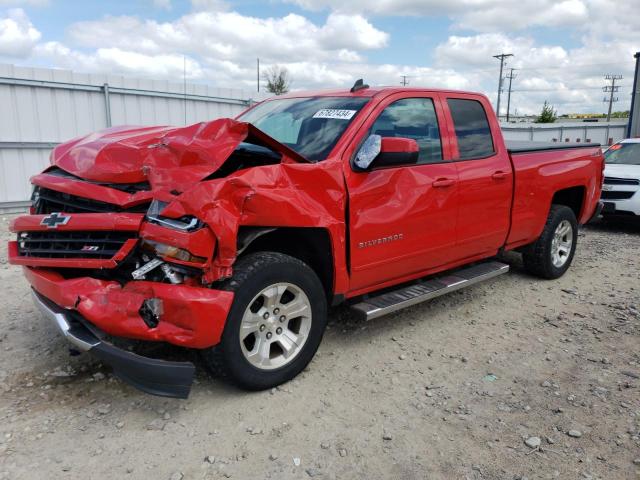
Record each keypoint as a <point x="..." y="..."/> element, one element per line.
<point x="55" y="219"/>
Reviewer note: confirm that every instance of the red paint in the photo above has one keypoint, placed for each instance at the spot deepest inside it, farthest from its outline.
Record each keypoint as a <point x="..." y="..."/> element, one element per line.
<point x="395" y="145"/>
<point x="404" y="222"/>
<point x="193" y="316"/>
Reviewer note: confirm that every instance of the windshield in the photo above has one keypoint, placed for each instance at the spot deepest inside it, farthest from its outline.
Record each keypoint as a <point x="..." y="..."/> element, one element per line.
<point x="310" y="126"/>
<point x="623" y="153"/>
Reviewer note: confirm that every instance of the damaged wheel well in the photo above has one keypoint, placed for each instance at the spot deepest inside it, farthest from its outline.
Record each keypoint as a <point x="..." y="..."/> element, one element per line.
<point x="311" y="245"/>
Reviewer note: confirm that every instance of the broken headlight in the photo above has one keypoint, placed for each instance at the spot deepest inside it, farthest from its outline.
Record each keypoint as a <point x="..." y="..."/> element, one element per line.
<point x="187" y="223"/>
<point x="169" y="251"/>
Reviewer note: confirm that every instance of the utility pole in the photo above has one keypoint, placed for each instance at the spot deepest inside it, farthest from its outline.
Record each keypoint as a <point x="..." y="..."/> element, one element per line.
<point x="611" y="89"/>
<point x="258" y="72"/>
<point x="404" y="82"/>
<point x="184" y="85"/>
<point x="633" y="130"/>
<point x="511" y="76"/>
<point x="500" y="57"/>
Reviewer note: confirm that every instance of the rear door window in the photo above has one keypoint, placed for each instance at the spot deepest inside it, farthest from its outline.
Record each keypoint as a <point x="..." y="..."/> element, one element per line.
<point x="472" y="128"/>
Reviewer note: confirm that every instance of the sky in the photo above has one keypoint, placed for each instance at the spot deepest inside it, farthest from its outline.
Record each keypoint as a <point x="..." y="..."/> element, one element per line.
<point x="562" y="49"/>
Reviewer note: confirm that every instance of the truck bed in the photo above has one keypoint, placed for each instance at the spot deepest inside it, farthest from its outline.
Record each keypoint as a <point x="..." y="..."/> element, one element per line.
<point x="517" y="146"/>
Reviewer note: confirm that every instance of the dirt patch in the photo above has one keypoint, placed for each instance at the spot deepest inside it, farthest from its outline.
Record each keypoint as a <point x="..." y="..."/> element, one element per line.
<point x="449" y="389"/>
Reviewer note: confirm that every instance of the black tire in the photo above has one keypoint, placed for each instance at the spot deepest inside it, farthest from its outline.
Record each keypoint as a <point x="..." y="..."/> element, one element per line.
<point x="252" y="274"/>
<point x="538" y="256"/>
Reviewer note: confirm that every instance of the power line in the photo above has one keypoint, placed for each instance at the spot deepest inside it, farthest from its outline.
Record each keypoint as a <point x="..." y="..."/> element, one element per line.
<point x="500" y="57"/>
<point x="556" y="67"/>
<point x="404" y="82"/>
<point x="571" y="65"/>
<point x="564" y="88"/>
<point x="613" y="88"/>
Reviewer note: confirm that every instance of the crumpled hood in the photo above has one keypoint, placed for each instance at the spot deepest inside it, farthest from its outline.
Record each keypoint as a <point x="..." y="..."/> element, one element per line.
<point x="164" y="156"/>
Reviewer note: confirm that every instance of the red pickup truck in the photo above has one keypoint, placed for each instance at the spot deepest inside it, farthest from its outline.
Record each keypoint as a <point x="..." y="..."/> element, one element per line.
<point x="233" y="237"/>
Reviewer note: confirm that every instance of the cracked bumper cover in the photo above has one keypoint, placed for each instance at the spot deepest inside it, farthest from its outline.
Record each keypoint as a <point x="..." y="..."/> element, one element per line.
<point x="158" y="377"/>
<point x="192" y="317"/>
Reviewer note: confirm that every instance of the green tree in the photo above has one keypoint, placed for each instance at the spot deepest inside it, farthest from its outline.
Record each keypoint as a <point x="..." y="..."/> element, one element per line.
<point x="278" y="80"/>
<point x="547" y="115"/>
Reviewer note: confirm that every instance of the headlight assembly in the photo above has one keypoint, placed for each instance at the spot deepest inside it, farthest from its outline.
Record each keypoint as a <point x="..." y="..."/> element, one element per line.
<point x="169" y="251"/>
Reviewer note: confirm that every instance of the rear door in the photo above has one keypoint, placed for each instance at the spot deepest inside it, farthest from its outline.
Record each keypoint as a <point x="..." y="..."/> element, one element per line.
<point x="485" y="176"/>
<point x="402" y="219"/>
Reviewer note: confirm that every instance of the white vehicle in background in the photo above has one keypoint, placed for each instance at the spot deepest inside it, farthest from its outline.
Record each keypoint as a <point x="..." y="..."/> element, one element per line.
<point x="621" y="189"/>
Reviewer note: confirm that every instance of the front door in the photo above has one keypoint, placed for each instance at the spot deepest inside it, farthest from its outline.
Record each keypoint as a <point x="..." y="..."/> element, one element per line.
<point x="402" y="219"/>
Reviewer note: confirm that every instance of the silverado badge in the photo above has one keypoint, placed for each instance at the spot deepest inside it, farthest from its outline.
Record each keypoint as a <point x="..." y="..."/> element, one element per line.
<point x="379" y="241"/>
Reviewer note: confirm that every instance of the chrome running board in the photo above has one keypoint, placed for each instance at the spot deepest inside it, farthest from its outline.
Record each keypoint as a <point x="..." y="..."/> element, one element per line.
<point x="379" y="305"/>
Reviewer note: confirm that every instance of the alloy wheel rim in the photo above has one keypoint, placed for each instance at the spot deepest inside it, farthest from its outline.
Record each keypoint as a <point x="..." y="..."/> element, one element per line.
<point x="275" y="326"/>
<point x="561" y="244"/>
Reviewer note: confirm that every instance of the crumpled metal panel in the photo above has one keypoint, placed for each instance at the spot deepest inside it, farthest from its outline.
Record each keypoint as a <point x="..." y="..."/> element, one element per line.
<point x="269" y="196"/>
<point x="168" y="157"/>
<point x="292" y="193"/>
<point x="192" y="316"/>
<point x="175" y="162"/>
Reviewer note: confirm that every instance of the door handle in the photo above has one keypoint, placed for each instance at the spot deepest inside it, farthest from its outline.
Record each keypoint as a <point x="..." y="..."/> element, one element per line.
<point x="499" y="175"/>
<point x="443" y="183"/>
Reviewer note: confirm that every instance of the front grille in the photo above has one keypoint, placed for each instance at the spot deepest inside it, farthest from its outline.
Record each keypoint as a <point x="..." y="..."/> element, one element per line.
<point x="621" y="181"/>
<point x="46" y="201"/>
<point x="71" y="244"/>
<point x="616" y="195"/>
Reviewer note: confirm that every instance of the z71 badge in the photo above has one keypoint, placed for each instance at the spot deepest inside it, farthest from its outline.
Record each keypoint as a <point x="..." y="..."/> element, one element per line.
<point x="380" y="241"/>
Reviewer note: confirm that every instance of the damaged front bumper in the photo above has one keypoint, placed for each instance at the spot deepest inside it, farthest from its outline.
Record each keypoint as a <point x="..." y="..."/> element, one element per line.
<point x="158" y="377"/>
<point x="192" y="317"/>
<point x="86" y="309"/>
<point x="81" y="274"/>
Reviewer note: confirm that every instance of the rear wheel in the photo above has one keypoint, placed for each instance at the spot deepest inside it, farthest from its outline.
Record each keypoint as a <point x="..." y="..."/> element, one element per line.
<point x="275" y="324"/>
<point x="551" y="255"/>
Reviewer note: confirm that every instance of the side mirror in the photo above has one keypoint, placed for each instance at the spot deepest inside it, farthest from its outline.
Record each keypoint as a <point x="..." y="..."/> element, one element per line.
<point x="379" y="152"/>
<point x="368" y="152"/>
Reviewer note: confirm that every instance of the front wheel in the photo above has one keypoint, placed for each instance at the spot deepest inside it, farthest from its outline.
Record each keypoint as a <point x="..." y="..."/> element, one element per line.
<point x="551" y="255"/>
<point x="275" y="324"/>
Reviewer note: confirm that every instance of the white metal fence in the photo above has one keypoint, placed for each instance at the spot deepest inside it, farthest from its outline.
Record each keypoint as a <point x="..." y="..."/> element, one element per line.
<point x="42" y="107"/>
<point x="601" y="133"/>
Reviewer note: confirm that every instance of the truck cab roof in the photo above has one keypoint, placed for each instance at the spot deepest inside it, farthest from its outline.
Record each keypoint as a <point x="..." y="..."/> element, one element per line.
<point x="370" y="92"/>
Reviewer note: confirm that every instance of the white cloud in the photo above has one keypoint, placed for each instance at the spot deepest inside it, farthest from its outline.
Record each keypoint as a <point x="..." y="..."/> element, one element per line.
<point x="505" y="16"/>
<point x="351" y="31"/>
<point x="489" y="15"/>
<point x="221" y="46"/>
<point x="107" y="60"/>
<point x="18" y="36"/>
<point x="230" y="35"/>
<point x="569" y="78"/>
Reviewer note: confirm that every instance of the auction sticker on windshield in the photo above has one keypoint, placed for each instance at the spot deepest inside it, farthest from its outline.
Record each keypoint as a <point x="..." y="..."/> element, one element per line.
<point x="334" y="113"/>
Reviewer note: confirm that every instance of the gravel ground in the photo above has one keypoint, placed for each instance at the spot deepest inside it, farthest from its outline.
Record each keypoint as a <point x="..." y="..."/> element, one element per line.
<point x="515" y="378"/>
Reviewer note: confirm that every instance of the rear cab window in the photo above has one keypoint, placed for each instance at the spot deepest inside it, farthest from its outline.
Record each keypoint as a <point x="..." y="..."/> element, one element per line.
<point x="471" y="128"/>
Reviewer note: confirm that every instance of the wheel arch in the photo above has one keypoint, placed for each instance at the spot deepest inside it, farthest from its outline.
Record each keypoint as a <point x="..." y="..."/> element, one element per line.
<point x="572" y="197"/>
<point x="312" y="245"/>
